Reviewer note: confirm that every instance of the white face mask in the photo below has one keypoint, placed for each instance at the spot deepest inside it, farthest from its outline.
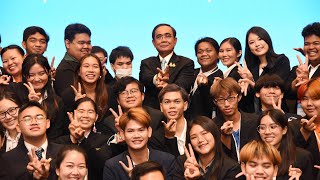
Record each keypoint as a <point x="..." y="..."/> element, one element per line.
<point x="120" y="73"/>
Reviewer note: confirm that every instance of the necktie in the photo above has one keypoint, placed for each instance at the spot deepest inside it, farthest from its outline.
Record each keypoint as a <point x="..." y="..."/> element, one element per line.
<point x="163" y="64"/>
<point x="39" y="153"/>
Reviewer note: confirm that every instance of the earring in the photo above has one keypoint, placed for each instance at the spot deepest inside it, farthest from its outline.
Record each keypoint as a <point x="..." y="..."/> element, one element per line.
<point x="94" y="128"/>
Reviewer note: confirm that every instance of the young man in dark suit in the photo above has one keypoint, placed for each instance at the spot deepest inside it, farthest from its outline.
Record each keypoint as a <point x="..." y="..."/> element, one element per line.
<point x="35" y="40"/>
<point x="34" y="157"/>
<point x="77" y="39"/>
<point x="136" y="131"/>
<point x="236" y="126"/>
<point x="165" y="68"/>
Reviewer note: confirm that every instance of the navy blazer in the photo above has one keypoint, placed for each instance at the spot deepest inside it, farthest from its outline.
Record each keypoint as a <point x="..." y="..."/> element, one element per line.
<point x="114" y="171"/>
<point x="181" y="74"/>
<point x="16" y="162"/>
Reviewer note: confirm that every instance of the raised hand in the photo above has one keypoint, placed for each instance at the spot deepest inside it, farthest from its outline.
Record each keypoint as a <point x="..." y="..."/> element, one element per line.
<point x="191" y="165"/>
<point x="202" y="79"/>
<point x="309" y="125"/>
<point x="317" y="166"/>
<point x="278" y="104"/>
<point x="32" y="96"/>
<point x="302" y="71"/>
<point x="77" y="93"/>
<point x="244" y="84"/>
<point x="162" y="77"/>
<point x="244" y="72"/>
<point x="38" y="168"/>
<point x="76" y="132"/>
<point x="5" y="79"/>
<point x="53" y="71"/>
<point x="248" y="176"/>
<point x="128" y="168"/>
<point x="116" y="123"/>
<point x="294" y="173"/>
<point x="170" y="128"/>
<point x="299" y="50"/>
<point x="227" y="128"/>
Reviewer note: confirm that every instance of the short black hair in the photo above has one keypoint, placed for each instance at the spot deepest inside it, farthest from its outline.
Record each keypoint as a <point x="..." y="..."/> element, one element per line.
<point x="33" y="30"/>
<point x="122" y="83"/>
<point x="13" y="46"/>
<point x="311" y="29"/>
<point x="209" y="40"/>
<point x="269" y="80"/>
<point x="146" y="167"/>
<point x="120" y="51"/>
<point x="97" y="49"/>
<point x="73" y="29"/>
<point x="32" y="104"/>
<point x="173" y="88"/>
<point x="163" y="24"/>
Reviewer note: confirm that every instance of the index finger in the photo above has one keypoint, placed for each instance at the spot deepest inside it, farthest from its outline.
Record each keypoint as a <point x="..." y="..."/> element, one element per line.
<point x="307" y="59"/>
<point x="52" y="61"/>
<point x="120" y="110"/>
<point x="129" y="162"/>
<point x="28" y="87"/>
<point x="70" y="115"/>
<point x="186" y="152"/>
<point x="113" y="113"/>
<point x="74" y="90"/>
<point x="191" y="150"/>
<point x="244" y="63"/>
<point x="312" y="119"/>
<point x="299" y="60"/>
<point x="238" y="64"/>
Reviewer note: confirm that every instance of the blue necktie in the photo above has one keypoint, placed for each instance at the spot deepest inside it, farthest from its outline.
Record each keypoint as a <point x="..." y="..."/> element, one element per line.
<point x="39" y="153"/>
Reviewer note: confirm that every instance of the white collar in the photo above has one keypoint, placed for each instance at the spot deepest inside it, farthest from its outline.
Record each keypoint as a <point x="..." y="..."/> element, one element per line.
<point x="167" y="58"/>
<point x="11" y="139"/>
<point x="44" y="146"/>
<point x="227" y="72"/>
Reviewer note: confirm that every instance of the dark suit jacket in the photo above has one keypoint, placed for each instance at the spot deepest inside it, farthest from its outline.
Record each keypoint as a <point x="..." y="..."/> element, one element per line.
<point x="4" y="147"/>
<point x="65" y="73"/>
<point x="201" y="102"/>
<point x="97" y="150"/>
<point x="234" y="74"/>
<point x="57" y="116"/>
<point x="17" y="160"/>
<point x="114" y="171"/>
<point x="229" y="169"/>
<point x="181" y="74"/>
<point x="248" y="126"/>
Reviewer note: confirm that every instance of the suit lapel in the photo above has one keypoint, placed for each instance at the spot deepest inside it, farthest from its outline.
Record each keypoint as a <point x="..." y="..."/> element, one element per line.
<point x="173" y="63"/>
<point x="317" y="73"/>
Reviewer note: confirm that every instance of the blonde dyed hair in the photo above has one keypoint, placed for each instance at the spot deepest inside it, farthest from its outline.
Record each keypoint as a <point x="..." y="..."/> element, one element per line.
<point x="135" y="114"/>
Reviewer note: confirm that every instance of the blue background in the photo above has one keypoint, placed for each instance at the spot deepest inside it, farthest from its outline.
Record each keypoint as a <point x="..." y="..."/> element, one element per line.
<point x="129" y="22"/>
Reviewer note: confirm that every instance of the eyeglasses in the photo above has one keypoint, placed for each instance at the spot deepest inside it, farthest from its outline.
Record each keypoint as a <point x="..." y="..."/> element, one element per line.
<point x="126" y="93"/>
<point x="165" y="36"/>
<point x="39" y="119"/>
<point x="229" y="99"/>
<point x="11" y="111"/>
<point x="263" y="128"/>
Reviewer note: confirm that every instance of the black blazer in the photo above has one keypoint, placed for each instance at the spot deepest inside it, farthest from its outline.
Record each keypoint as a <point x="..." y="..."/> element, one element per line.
<point x="248" y="126"/>
<point x="234" y="73"/>
<point x="97" y="150"/>
<point x="16" y="162"/>
<point x="201" y="102"/>
<point x="114" y="171"/>
<point x="4" y="147"/>
<point x="181" y="74"/>
<point x="229" y="169"/>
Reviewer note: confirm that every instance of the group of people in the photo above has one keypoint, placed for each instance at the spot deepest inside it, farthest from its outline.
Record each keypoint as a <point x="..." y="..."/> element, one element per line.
<point x="255" y="120"/>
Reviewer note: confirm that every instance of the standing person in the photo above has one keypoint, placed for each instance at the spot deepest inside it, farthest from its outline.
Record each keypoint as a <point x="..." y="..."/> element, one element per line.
<point x="273" y="128"/>
<point x="77" y="39"/>
<point x="205" y="159"/>
<point x="235" y="125"/>
<point x="165" y="68"/>
<point x="136" y="131"/>
<point x="34" y="157"/>
<point x="36" y="85"/>
<point x="200" y="101"/>
<point x="261" y="59"/>
<point x="9" y="107"/>
<point x="103" y="56"/>
<point x="35" y="40"/>
<point x="12" y="57"/>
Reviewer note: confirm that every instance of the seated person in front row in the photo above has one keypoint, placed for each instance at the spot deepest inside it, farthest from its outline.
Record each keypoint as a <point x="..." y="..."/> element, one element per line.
<point x="34" y="157"/>
<point x="82" y="133"/>
<point x="236" y="126"/>
<point x="208" y="161"/>
<point x="136" y="131"/>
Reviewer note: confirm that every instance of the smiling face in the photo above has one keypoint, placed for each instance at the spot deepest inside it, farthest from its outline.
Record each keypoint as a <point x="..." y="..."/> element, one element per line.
<point x="173" y="106"/>
<point x="130" y="97"/>
<point x="266" y="94"/>
<point x="38" y="77"/>
<point x="136" y="135"/>
<point x="207" y="56"/>
<point x="228" y="55"/>
<point x="260" y="168"/>
<point x="12" y="62"/>
<point x="90" y="70"/>
<point x="312" y="49"/>
<point x="257" y="45"/>
<point x="35" y="44"/>
<point x="310" y="105"/>
<point x="80" y="46"/>
<point x="10" y="120"/>
<point x="86" y="115"/>
<point x="202" y="140"/>
<point x="73" y="166"/>
<point x="270" y="132"/>
<point x="164" y="41"/>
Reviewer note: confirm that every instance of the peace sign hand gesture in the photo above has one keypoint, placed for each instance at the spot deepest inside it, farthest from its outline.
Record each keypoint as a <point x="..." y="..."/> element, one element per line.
<point x="128" y="168"/>
<point x="38" y="168"/>
<point x="302" y="71"/>
<point x="191" y="165"/>
<point x="76" y="132"/>
<point x="77" y="93"/>
<point x="244" y="72"/>
<point x="170" y="128"/>
<point x="278" y="104"/>
<point x="294" y="173"/>
<point x="5" y="79"/>
<point x="53" y="71"/>
<point x="32" y="96"/>
<point x="116" y="123"/>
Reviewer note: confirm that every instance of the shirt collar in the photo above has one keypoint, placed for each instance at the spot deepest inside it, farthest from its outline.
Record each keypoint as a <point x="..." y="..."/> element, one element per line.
<point x="44" y="146"/>
<point x="204" y="171"/>
<point x="68" y="57"/>
<point x="9" y="137"/>
<point x="227" y="72"/>
<point x="167" y="58"/>
<point x="184" y="132"/>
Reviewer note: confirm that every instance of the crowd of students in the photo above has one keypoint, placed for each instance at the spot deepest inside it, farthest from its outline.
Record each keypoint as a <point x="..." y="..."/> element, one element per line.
<point x="256" y="120"/>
